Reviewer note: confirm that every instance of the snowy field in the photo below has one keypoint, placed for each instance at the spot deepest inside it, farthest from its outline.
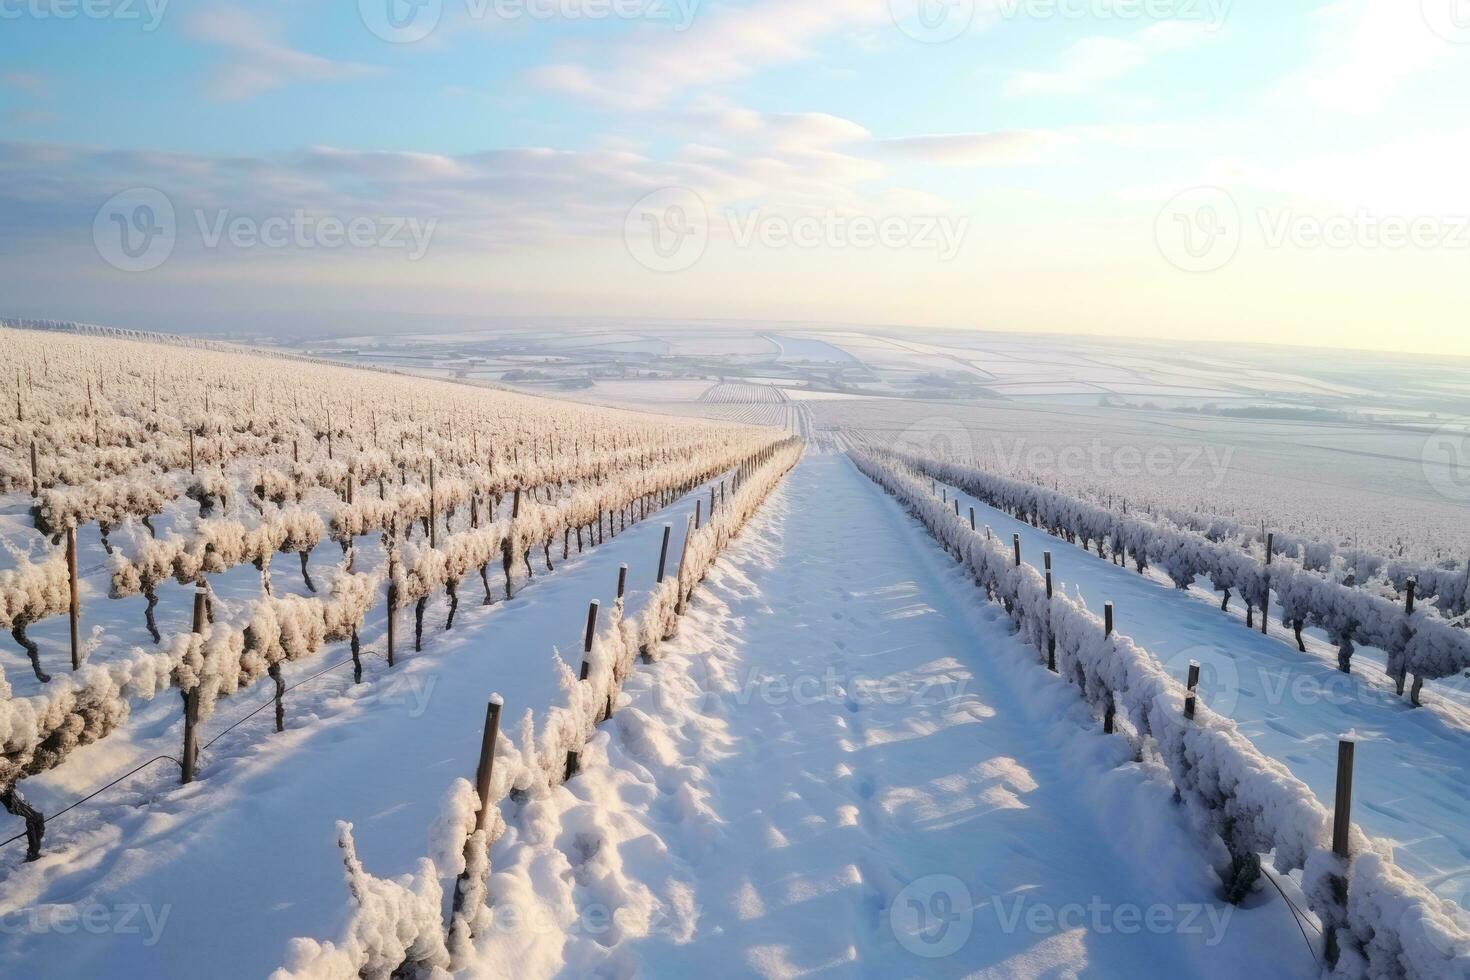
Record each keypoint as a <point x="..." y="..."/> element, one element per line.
<point x="815" y="747"/>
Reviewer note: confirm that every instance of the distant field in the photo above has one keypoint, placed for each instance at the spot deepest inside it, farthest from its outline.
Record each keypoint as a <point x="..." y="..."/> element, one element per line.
<point x="1355" y="484"/>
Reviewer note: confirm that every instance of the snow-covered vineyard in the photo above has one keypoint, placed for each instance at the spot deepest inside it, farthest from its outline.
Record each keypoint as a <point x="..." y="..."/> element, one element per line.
<point x="323" y="672"/>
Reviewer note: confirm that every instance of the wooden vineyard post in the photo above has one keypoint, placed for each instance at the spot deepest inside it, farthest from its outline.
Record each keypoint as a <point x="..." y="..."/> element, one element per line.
<point x="1111" y="711"/>
<point x="486" y="769"/>
<point x="484" y="774"/>
<point x="35" y="472"/>
<point x="663" y="553"/>
<point x="622" y="580"/>
<point x="972" y="518"/>
<point x="75" y="608"/>
<point x="433" y="509"/>
<point x="1411" y="589"/>
<point x="508" y="548"/>
<point x="698" y="504"/>
<point x="191" y="452"/>
<point x="1016" y="544"/>
<point x="392" y="604"/>
<point x="1342" y="814"/>
<point x="190" y="760"/>
<point x="1266" y="603"/>
<point x="679" y="575"/>
<point x="573" y="755"/>
<point x="1191" y="683"/>
<point x="1051" y="637"/>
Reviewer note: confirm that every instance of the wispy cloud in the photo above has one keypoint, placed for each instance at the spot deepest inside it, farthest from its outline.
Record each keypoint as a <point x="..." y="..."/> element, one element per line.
<point x="1368" y="49"/>
<point x="659" y="65"/>
<point x="1095" y="60"/>
<point x="258" y="60"/>
<point x="976" y="149"/>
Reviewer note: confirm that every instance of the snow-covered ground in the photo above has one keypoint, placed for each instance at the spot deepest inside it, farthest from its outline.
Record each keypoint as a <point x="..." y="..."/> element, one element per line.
<point x="1413" y="768"/>
<point x="244" y="860"/>
<point x="847" y="765"/>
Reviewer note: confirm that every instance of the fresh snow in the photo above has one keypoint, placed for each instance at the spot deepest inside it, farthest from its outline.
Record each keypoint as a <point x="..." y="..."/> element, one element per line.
<point x="1413" y="767"/>
<point x="848" y="765"/>
<point x="252" y="843"/>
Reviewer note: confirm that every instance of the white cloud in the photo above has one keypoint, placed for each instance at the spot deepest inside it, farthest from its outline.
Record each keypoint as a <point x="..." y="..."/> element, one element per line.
<point x="721" y="45"/>
<point x="1368" y="49"/>
<point x="259" y="61"/>
<point x="976" y="149"/>
<point x="1094" y="60"/>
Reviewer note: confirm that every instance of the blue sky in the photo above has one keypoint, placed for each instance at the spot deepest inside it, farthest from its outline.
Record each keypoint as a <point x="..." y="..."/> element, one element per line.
<point x="1053" y="137"/>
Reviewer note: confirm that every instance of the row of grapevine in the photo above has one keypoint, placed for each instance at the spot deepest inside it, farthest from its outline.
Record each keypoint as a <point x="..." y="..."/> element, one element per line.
<point x="181" y="464"/>
<point x="404" y="926"/>
<point x="1380" y="922"/>
<point x="1418" y="642"/>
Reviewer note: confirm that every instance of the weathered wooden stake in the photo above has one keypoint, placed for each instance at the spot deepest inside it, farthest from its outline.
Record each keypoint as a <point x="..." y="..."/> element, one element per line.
<point x="1016" y="543"/>
<point x="679" y="575"/>
<point x="35" y="472"/>
<point x="622" y="580"/>
<point x="1192" y="683"/>
<point x="697" y="505"/>
<point x="591" y="633"/>
<point x="190" y="760"/>
<point x="75" y="609"/>
<point x="392" y="608"/>
<point x="486" y="769"/>
<point x="1341" y="834"/>
<point x="663" y="553"/>
<point x="1266" y="605"/>
<point x="972" y="518"/>
<point x="1051" y="639"/>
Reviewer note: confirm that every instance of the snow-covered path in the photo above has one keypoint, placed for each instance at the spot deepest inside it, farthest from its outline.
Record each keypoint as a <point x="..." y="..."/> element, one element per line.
<point x="1413" y="771"/>
<point x="846" y="765"/>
